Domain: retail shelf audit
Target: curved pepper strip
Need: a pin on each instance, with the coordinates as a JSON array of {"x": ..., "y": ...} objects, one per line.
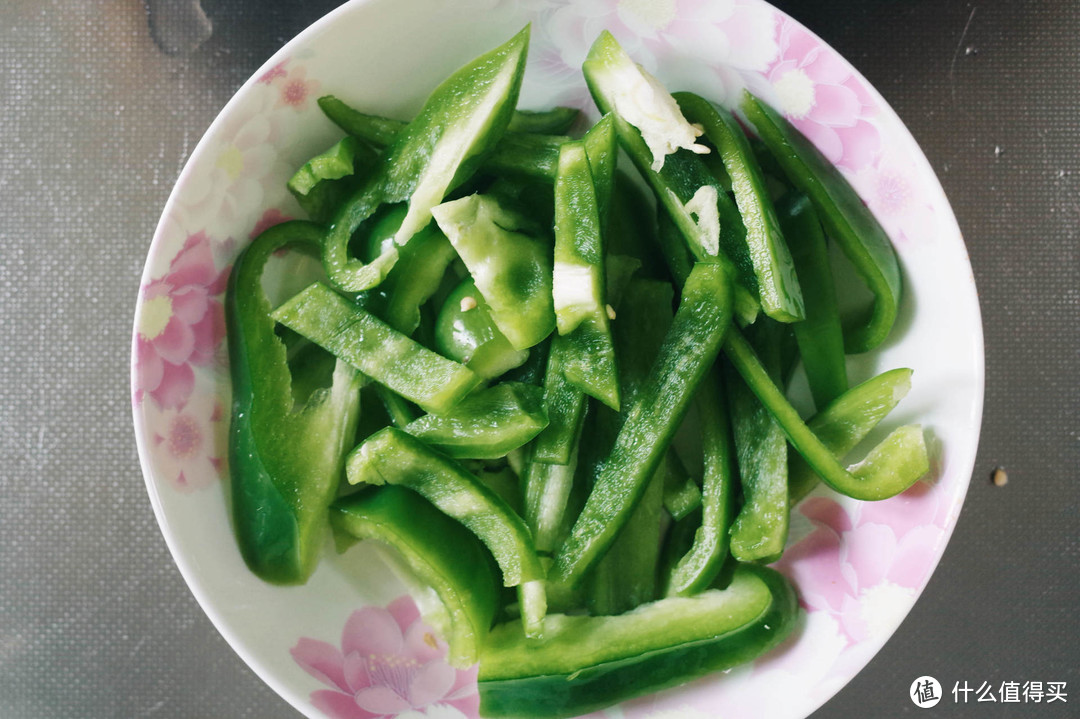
[
  {"x": 689, "y": 349},
  {"x": 706, "y": 217},
  {"x": 284, "y": 462},
  {"x": 440, "y": 553},
  {"x": 459, "y": 124},
  {"x": 391, "y": 456},
  {"x": 846, "y": 421},
  {"x": 890, "y": 468},
  {"x": 778, "y": 286},
  {"x": 820, "y": 336},
  {"x": 329, "y": 178},
  {"x": 848, "y": 221},
  {"x": 586, "y": 663}
]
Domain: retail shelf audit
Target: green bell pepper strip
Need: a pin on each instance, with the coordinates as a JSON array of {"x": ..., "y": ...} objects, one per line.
[
  {"x": 702, "y": 562},
  {"x": 376, "y": 349},
  {"x": 586, "y": 663},
  {"x": 487, "y": 424},
  {"x": 760, "y": 529},
  {"x": 564, "y": 404},
  {"x": 689, "y": 349},
  {"x": 890, "y": 468},
  {"x": 459, "y": 124},
  {"x": 581, "y": 309},
  {"x": 820, "y": 336},
  {"x": 848, "y": 221},
  {"x": 556, "y": 121},
  {"x": 391, "y": 456},
  {"x": 329, "y": 178},
  {"x": 440, "y": 553},
  {"x": 547, "y": 489},
  {"x": 706, "y": 217},
  {"x": 628, "y": 572},
  {"x": 627, "y": 575},
  {"x": 709, "y": 546},
  {"x": 505, "y": 483},
  {"x": 465, "y": 332},
  {"x": 416, "y": 276},
  {"x": 778, "y": 286},
  {"x": 528, "y": 154},
  {"x": 682, "y": 495},
  {"x": 285, "y": 460},
  {"x": 846, "y": 421},
  {"x": 511, "y": 269}
]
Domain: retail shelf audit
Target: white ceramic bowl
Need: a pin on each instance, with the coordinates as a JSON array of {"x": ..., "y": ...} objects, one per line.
[{"x": 858, "y": 567}]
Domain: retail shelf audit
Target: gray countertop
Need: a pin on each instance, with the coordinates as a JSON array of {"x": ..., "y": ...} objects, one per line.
[{"x": 95, "y": 124}]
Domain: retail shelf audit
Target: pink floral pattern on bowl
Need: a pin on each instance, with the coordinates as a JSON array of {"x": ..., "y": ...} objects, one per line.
[
  {"x": 390, "y": 664},
  {"x": 181, "y": 325},
  {"x": 858, "y": 568}
]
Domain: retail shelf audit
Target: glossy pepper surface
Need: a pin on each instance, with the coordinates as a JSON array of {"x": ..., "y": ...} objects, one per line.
[
  {"x": 584, "y": 663},
  {"x": 285, "y": 457},
  {"x": 848, "y": 221}
]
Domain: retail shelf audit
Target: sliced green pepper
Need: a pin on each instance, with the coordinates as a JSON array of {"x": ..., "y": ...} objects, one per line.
[
  {"x": 456, "y": 128},
  {"x": 585, "y": 663},
  {"x": 846, "y": 421},
  {"x": 465, "y": 332},
  {"x": 580, "y": 302},
  {"x": 701, "y": 563},
  {"x": 530, "y": 154},
  {"x": 547, "y": 489},
  {"x": 848, "y": 221},
  {"x": 820, "y": 336},
  {"x": 415, "y": 277},
  {"x": 285, "y": 460},
  {"x": 327, "y": 179},
  {"x": 760, "y": 530},
  {"x": 376, "y": 349},
  {"x": 688, "y": 351},
  {"x": 511, "y": 269},
  {"x": 682, "y": 495},
  {"x": 487, "y": 424},
  {"x": 556, "y": 121},
  {"x": 439, "y": 551},
  {"x": 662, "y": 144},
  {"x": 565, "y": 407},
  {"x": 778, "y": 286},
  {"x": 890, "y": 468},
  {"x": 391, "y": 456}
]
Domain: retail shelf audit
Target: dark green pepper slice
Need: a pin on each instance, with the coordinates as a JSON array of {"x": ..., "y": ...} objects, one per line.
[
  {"x": 440, "y": 552},
  {"x": 689, "y": 349},
  {"x": 391, "y": 456},
  {"x": 285, "y": 460},
  {"x": 820, "y": 336},
  {"x": 586, "y": 663},
  {"x": 848, "y": 221},
  {"x": 778, "y": 286}
]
